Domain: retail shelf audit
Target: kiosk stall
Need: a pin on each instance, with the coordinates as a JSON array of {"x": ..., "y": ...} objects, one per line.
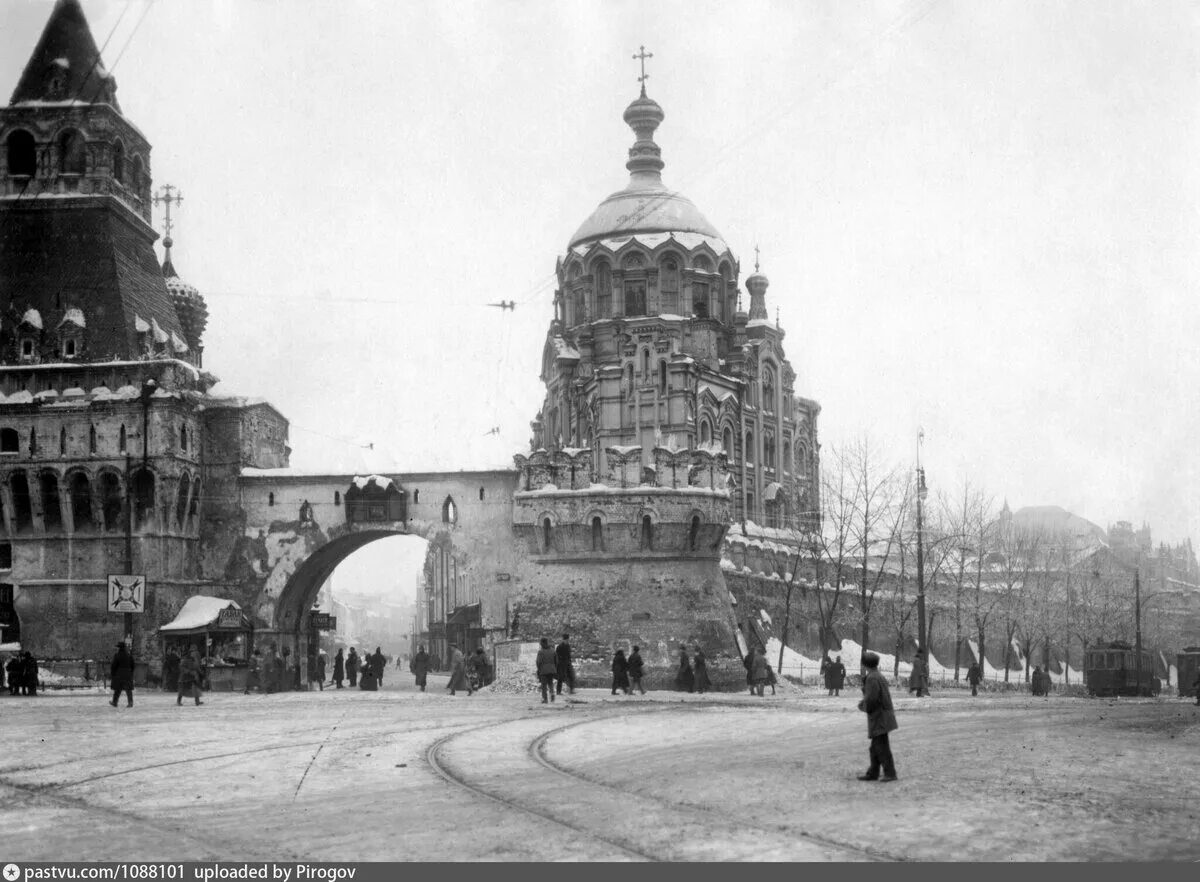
[{"x": 222, "y": 634}]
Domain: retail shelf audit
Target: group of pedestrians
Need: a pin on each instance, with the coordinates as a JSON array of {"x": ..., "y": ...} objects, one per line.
[
  {"x": 22, "y": 674},
  {"x": 834, "y": 674},
  {"x": 627, "y": 672}
]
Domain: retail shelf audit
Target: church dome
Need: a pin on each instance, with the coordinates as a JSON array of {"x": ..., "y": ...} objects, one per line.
[
  {"x": 646, "y": 205},
  {"x": 189, "y": 305}
]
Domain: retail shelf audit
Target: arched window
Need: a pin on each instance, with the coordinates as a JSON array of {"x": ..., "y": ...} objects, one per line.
[
  {"x": 121, "y": 439},
  {"x": 33, "y": 442},
  {"x": 119, "y": 162},
  {"x": 110, "y": 501},
  {"x": 81, "y": 501},
  {"x": 769, "y": 451},
  {"x": 194, "y": 505},
  {"x": 801, "y": 459},
  {"x": 270, "y": 499},
  {"x": 51, "y": 505},
  {"x": 547, "y": 535},
  {"x": 647, "y": 539},
  {"x": 181, "y": 498},
  {"x": 92, "y": 439},
  {"x": 768, "y": 388},
  {"x": 727, "y": 442},
  {"x": 22, "y": 154},
  {"x": 22, "y": 503},
  {"x": 785, "y": 461},
  {"x": 597, "y": 534},
  {"x": 10, "y": 441},
  {"x": 635, "y": 297},
  {"x": 143, "y": 497},
  {"x": 645, "y": 365},
  {"x": 72, "y": 152},
  {"x": 700, "y": 299},
  {"x": 669, "y": 285},
  {"x": 662, "y": 377},
  {"x": 449, "y": 511},
  {"x": 702, "y": 263},
  {"x": 750, "y": 513},
  {"x": 725, "y": 294},
  {"x": 337, "y": 497},
  {"x": 603, "y": 289},
  {"x": 629, "y": 377},
  {"x": 137, "y": 179},
  {"x": 481, "y": 494},
  {"x": 749, "y": 454},
  {"x": 694, "y": 533},
  {"x": 62, "y": 441},
  {"x": 705, "y": 432},
  {"x": 183, "y": 439},
  {"x": 580, "y": 307}
]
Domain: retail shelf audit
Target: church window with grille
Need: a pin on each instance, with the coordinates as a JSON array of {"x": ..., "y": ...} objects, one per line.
[
  {"x": 670, "y": 285},
  {"x": 603, "y": 290},
  {"x": 122, "y": 442},
  {"x": 635, "y": 298},
  {"x": 597, "y": 534},
  {"x": 647, "y": 538},
  {"x": 700, "y": 299},
  {"x": 72, "y": 152},
  {"x": 449, "y": 511},
  {"x": 547, "y": 535}
]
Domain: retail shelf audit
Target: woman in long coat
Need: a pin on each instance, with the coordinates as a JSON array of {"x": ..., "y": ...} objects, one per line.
[
  {"x": 760, "y": 671},
  {"x": 620, "y": 672},
  {"x": 458, "y": 672},
  {"x": 685, "y": 681},
  {"x": 339, "y": 668},
  {"x": 352, "y": 667},
  {"x": 29, "y": 672},
  {"x": 702, "y": 682}
]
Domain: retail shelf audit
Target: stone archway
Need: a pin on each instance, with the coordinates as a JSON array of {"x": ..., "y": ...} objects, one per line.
[{"x": 290, "y": 625}]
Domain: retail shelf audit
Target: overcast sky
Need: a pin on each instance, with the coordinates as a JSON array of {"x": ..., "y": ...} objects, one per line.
[{"x": 979, "y": 218}]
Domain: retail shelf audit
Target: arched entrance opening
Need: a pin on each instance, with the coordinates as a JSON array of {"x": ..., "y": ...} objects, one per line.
[{"x": 358, "y": 590}]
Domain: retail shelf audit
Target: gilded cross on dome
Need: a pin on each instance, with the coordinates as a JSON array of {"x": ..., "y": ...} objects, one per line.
[
  {"x": 167, "y": 200},
  {"x": 642, "y": 56}
]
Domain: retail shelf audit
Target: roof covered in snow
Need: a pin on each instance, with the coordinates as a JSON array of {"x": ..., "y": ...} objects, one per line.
[{"x": 199, "y": 611}]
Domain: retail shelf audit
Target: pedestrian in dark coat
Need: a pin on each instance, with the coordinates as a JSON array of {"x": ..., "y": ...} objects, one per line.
[
  {"x": 254, "y": 672},
  {"x": 547, "y": 669},
  {"x": 189, "y": 677},
  {"x": 703, "y": 683},
  {"x": 121, "y": 676},
  {"x": 1035, "y": 681},
  {"x": 378, "y": 663},
  {"x": 685, "y": 680},
  {"x": 171, "y": 670},
  {"x": 14, "y": 669},
  {"x": 565, "y": 670},
  {"x": 29, "y": 674},
  {"x": 760, "y": 671},
  {"x": 352, "y": 667},
  {"x": 974, "y": 675},
  {"x": 635, "y": 665},
  {"x": 458, "y": 672},
  {"x": 748, "y": 663},
  {"x": 367, "y": 681},
  {"x": 839, "y": 676},
  {"x": 881, "y": 719},
  {"x": 339, "y": 668},
  {"x": 321, "y": 670},
  {"x": 830, "y": 676},
  {"x": 918, "y": 681},
  {"x": 420, "y": 666},
  {"x": 620, "y": 672}
]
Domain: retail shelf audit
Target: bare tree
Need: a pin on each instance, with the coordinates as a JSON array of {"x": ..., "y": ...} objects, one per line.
[
  {"x": 979, "y": 536},
  {"x": 835, "y": 549},
  {"x": 964, "y": 519},
  {"x": 1014, "y": 560}
]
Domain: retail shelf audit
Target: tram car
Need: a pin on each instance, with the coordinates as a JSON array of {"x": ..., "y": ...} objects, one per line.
[
  {"x": 1188, "y": 665},
  {"x": 1112, "y": 670}
]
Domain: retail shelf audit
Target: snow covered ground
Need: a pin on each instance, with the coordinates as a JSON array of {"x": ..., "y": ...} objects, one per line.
[{"x": 403, "y": 775}]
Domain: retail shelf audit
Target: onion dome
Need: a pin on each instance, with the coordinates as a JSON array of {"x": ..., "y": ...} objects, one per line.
[
  {"x": 189, "y": 305},
  {"x": 645, "y": 205},
  {"x": 756, "y": 284}
]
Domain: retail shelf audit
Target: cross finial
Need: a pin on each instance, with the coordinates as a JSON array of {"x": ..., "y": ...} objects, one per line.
[
  {"x": 642, "y": 56},
  {"x": 165, "y": 199},
  {"x": 756, "y": 258}
]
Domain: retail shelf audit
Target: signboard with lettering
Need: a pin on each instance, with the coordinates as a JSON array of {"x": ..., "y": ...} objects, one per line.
[
  {"x": 229, "y": 618},
  {"x": 322, "y": 622},
  {"x": 126, "y": 594}
]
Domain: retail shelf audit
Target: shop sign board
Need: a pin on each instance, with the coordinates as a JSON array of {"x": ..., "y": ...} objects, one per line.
[
  {"x": 126, "y": 594},
  {"x": 229, "y": 618},
  {"x": 323, "y": 622}
]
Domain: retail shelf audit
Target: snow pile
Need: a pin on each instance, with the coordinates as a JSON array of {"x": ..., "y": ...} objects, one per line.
[
  {"x": 794, "y": 664},
  {"x": 515, "y": 682}
]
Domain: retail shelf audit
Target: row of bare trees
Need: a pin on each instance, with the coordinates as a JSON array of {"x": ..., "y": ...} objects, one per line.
[{"x": 986, "y": 578}]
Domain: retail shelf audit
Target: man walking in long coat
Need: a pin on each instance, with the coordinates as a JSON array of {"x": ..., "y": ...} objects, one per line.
[
  {"x": 839, "y": 676},
  {"x": 881, "y": 719},
  {"x": 918, "y": 681},
  {"x": 189, "y": 677},
  {"x": 121, "y": 676},
  {"x": 420, "y": 666},
  {"x": 352, "y": 667},
  {"x": 378, "y": 663},
  {"x": 339, "y": 668},
  {"x": 565, "y": 671},
  {"x": 973, "y": 677}
]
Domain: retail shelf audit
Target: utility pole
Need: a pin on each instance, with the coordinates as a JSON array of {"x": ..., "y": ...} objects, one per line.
[
  {"x": 1137, "y": 619},
  {"x": 921, "y": 635}
]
